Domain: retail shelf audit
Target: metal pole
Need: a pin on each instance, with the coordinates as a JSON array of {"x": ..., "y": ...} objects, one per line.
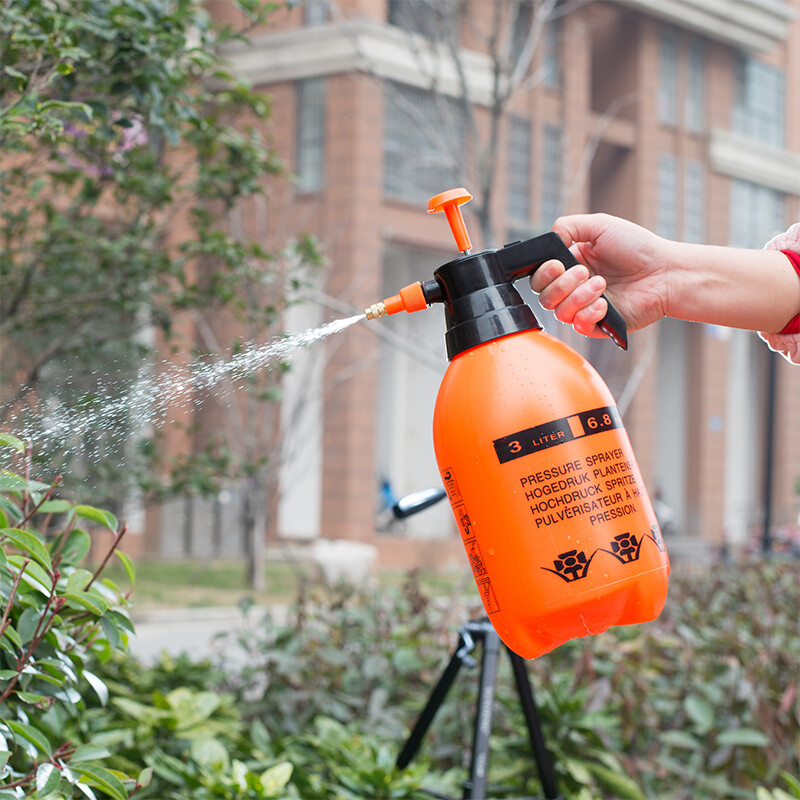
[{"x": 769, "y": 454}]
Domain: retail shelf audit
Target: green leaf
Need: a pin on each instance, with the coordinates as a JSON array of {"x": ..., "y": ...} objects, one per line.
[
  {"x": 127, "y": 563},
  {"x": 76, "y": 547},
  {"x": 700, "y": 711},
  {"x": 11, "y": 482},
  {"x": 121, "y": 620},
  {"x": 678, "y": 738},
  {"x": 86, "y": 601},
  {"x": 100, "y": 689},
  {"x": 88, "y": 752},
  {"x": 792, "y": 781},
  {"x": 34, "y": 576},
  {"x": 209, "y": 751},
  {"x": 274, "y": 779},
  {"x": 6, "y": 439},
  {"x": 48, "y": 777},
  {"x": 31, "y": 697},
  {"x": 146, "y": 714},
  {"x": 10, "y": 511},
  {"x": 27, "y": 623},
  {"x": 621, "y": 785},
  {"x": 104, "y": 518},
  {"x": 55, "y": 507},
  {"x": 28, "y": 543},
  {"x": 78, "y": 581},
  {"x": 742, "y": 737},
  {"x": 145, "y": 777},
  {"x": 191, "y": 707},
  {"x": 33, "y": 735},
  {"x": 102, "y": 779},
  {"x": 11, "y": 634}
]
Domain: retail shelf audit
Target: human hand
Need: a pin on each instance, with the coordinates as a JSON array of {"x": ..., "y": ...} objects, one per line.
[{"x": 616, "y": 256}]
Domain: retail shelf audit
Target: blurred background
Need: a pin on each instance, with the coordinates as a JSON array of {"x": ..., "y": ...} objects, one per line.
[
  {"x": 181, "y": 184},
  {"x": 682, "y": 116}
]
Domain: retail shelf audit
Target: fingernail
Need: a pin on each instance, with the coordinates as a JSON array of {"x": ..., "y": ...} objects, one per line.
[
  {"x": 597, "y": 307},
  {"x": 597, "y": 283}
]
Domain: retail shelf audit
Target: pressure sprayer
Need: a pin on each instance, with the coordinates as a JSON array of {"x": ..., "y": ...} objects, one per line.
[{"x": 540, "y": 473}]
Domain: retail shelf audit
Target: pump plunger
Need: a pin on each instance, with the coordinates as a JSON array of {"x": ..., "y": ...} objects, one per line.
[{"x": 449, "y": 202}]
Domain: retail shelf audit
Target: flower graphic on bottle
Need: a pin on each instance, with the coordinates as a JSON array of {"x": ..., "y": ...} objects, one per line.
[
  {"x": 571, "y": 565},
  {"x": 625, "y": 547},
  {"x": 655, "y": 535}
]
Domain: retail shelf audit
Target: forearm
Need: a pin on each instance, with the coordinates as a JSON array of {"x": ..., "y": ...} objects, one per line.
[{"x": 754, "y": 289}]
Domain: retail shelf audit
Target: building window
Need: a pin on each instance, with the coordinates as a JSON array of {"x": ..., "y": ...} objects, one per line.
[
  {"x": 695, "y": 91},
  {"x": 668, "y": 77},
  {"x": 759, "y": 103},
  {"x": 551, "y": 57},
  {"x": 418, "y": 16},
  {"x": 694, "y": 203},
  {"x": 552, "y": 156},
  {"x": 667, "y": 214},
  {"x": 519, "y": 169},
  {"x": 315, "y": 12},
  {"x": 422, "y": 142},
  {"x": 757, "y": 214},
  {"x": 310, "y": 136},
  {"x": 523, "y": 21}
]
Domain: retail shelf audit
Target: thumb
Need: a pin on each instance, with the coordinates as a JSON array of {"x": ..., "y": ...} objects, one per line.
[{"x": 580, "y": 228}]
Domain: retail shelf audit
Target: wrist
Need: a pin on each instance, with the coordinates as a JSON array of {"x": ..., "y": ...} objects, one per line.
[
  {"x": 738, "y": 288},
  {"x": 684, "y": 282}
]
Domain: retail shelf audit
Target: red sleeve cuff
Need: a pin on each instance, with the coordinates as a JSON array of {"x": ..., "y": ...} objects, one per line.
[{"x": 794, "y": 323}]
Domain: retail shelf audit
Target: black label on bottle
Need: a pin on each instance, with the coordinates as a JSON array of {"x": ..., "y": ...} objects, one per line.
[{"x": 550, "y": 434}]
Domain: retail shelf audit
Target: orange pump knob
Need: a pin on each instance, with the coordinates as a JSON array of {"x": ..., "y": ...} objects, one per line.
[{"x": 449, "y": 202}]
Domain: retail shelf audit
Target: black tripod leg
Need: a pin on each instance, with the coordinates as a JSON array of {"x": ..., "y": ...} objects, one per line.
[
  {"x": 475, "y": 787},
  {"x": 432, "y": 706},
  {"x": 543, "y": 762}
]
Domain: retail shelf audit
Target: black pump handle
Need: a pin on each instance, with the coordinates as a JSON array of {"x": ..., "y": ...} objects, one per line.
[{"x": 522, "y": 259}]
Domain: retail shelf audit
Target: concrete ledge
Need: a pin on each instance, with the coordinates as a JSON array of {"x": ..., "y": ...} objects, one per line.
[
  {"x": 757, "y": 25},
  {"x": 737, "y": 157},
  {"x": 384, "y": 51}
]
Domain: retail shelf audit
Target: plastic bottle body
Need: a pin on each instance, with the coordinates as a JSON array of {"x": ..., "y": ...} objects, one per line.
[{"x": 558, "y": 528}]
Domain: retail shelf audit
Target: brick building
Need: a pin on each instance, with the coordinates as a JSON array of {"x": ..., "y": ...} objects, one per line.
[{"x": 682, "y": 115}]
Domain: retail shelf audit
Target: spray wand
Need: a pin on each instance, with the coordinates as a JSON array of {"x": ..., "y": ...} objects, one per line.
[{"x": 473, "y": 286}]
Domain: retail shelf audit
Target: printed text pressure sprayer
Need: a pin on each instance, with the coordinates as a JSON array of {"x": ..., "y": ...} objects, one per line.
[{"x": 541, "y": 476}]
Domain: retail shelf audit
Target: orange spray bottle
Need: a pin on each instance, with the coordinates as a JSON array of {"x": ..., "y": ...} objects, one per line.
[{"x": 540, "y": 473}]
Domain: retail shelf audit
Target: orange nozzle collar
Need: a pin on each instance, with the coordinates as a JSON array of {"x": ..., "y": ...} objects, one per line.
[{"x": 410, "y": 299}]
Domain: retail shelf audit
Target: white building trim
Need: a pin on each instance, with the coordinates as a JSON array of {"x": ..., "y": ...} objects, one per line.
[
  {"x": 384, "y": 51},
  {"x": 737, "y": 157},
  {"x": 750, "y": 24}
]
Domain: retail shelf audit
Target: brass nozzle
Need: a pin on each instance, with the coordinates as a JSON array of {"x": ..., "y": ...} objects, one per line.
[{"x": 376, "y": 310}]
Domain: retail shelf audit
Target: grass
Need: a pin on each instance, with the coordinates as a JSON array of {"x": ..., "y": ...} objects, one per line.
[
  {"x": 199, "y": 584},
  {"x": 195, "y": 584}
]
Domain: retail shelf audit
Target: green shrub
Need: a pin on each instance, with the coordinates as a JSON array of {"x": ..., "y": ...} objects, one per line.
[
  {"x": 369, "y": 659},
  {"x": 700, "y": 703},
  {"x": 59, "y": 622},
  {"x": 706, "y": 695}
]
